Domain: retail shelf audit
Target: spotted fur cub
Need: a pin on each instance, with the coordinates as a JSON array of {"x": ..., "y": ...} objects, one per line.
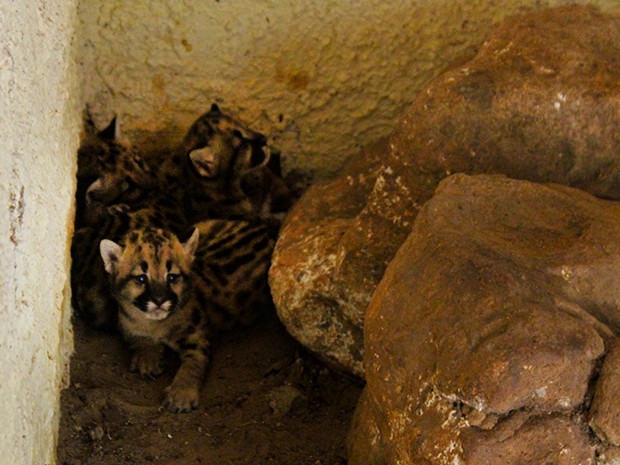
[
  {"x": 230, "y": 171},
  {"x": 177, "y": 294}
]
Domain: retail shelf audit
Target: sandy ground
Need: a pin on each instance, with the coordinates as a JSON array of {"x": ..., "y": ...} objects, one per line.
[{"x": 265, "y": 401}]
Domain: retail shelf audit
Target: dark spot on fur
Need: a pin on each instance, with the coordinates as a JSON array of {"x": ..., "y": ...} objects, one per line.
[
  {"x": 140, "y": 223},
  {"x": 261, "y": 245},
  {"x": 242, "y": 297},
  {"x": 243, "y": 241},
  {"x": 219, "y": 308},
  {"x": 202, "y": 300},
  {"x": 195, "y": 316},
  {"x": 142, "y": 300},
  {"x": 186, "y": 346},
  {"x": 216, "y": 245},
  {"x": 217, "y": 272},
  {"x": 232, "y": 266}
]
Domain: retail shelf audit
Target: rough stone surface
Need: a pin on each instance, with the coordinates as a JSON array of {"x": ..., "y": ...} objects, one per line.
[
  {"x": 487, "y": 330},
  {"x": 40, "y": 118},
  {"x": 540, "y": 101},
  {"x": 285, "y": 399},
  {"x": 605, "y": 408},
  {"x": 307, "y": 254}
]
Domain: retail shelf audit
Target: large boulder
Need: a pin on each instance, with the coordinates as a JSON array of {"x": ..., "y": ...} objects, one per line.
[
  {"x": 485, "y": 337},
  {"x": 307, "y": 297},
  {"x": 540, "y": 101}
]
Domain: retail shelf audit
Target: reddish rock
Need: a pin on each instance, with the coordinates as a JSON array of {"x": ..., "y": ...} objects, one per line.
[
  {"x": 484, "y": 335},
  {"x": 523, "y": 439},
  {"x": 307, "y": 259},
  {"x": 540, "y": 101},
  {"x": 605, "y": 410}
]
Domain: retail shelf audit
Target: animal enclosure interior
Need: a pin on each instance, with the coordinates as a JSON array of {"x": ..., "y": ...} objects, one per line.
[{"x": 386, "y": 125}]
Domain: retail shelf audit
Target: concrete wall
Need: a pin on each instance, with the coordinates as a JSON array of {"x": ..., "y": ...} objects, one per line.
[
  {"x": 40, "y": 120},
  {"x": 321, "y": 76}
]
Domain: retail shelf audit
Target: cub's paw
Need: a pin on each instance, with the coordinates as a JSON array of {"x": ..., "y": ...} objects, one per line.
[
  {"x": 147, "y": 362},
  {"x": 181, "y": 398}
]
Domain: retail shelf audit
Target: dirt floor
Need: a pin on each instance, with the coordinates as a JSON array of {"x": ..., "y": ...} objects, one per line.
[{"x": 265, "y": 401}]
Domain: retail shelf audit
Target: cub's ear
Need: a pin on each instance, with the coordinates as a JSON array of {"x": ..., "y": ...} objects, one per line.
[
  {"x": 215, "y": 108},
  {"x": 192, "y": 243},
  {"x": 111, "y": 253},
  {"x": 111, "y": 131}
]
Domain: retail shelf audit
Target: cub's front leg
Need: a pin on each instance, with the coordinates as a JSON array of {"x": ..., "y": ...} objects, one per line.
[
  {"x": 184, "y": 392},
  {"x": 147, "y": 357}
]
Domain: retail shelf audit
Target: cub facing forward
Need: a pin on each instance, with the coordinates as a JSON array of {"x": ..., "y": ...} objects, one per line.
[{"x": 179, "y": 294}]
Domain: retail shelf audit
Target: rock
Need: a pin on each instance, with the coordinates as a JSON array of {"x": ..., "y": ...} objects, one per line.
[
  {"x": 485, "y": 333},
  {"x": 306, "y": 259},
  {"x": 605, "y": 410},
  {"x": 540, "y": 101},
  {"x": 286, "y": 399},
  {"x": 365, "y": 443},
  {"x": 609, "y": 455},
  {"x": 535, "y": 440},
  {"x": 97, "y": 433}
]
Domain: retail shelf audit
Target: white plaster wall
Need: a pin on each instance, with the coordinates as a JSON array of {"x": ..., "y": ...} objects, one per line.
[
  {"x": 40, "y": 120},
  {"x": 322, "y": 77}
]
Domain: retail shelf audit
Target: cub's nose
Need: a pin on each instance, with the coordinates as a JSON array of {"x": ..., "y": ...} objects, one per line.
[{"x": 159, "y": 301}]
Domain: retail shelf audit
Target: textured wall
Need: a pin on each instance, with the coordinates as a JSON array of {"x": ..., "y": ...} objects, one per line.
[
  {"x": 323, "y": 77},
  {"x": 40, "y": 120}
]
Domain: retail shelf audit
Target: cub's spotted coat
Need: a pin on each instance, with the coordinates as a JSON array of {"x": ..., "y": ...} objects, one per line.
[
  {"x": 111, "y": 175},
  {"x": 179, "y": 294},
  {"x": 228, "y": 171},
  {"x": 97, "y": 150},
  {"x": 232, "y": 173},
  {"x": 221, "y": 170}
]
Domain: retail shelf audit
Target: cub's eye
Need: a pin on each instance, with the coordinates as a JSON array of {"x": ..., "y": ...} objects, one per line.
[
  {"x": 140, "y": 279},
  {"x": 172, "y": 278}
]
